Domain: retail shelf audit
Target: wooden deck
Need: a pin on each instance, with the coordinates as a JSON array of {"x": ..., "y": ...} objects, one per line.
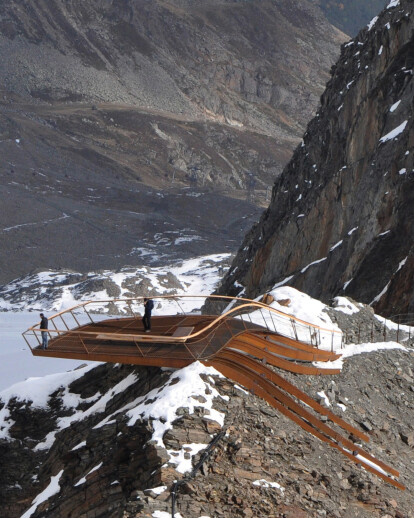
[{"x": 123, "y": 340}]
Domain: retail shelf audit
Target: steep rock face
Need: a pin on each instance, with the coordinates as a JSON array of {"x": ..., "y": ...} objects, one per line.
[{"x": 341, "y": 219}]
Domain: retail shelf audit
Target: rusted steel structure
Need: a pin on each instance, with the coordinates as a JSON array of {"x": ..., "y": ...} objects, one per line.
[{"x": 245, "y": 340}]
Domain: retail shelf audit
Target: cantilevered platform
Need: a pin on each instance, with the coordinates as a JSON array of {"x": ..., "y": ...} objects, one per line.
[{"x": 245, "y": 340}]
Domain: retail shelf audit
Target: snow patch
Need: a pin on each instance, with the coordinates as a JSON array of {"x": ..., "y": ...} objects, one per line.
[
  {"x": 78, "y": 415},
  {"x": 311, "y": 264},
  {"x": 52, "y": 489},
  {"x": 393, "y": 3},
  {"x": 339, "y": 243},
  {"x": 394, "y": 133},
  {"x": 372, "y": 23},
  {"x": 324, "y": 397},
  {"x": 355, "y": 349},
  {"x": 345, "y": 305},
  {"x": 395, "y": 106},
  {"x": 264, "y": 483},
  {"x": 83, "y": 479}
]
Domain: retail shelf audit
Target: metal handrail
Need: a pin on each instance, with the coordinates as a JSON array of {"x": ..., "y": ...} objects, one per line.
[{"x": 246, "y": 306}]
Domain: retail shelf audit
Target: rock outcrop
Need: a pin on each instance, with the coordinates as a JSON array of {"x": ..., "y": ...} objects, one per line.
[
  {"x": 100, "y": 445},
  {"x": 340, "y": 220}
]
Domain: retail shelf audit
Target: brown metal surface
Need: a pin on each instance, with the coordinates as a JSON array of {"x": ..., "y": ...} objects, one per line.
[
  {"x": 290, "y": 342},
  {"x": 282, "y": 383},
  {"x": 234, "y": 344},
  {"x": 268, "y": 344},
  {"x": 255, "y": 384},
  {"x": 279, "y": 362}
]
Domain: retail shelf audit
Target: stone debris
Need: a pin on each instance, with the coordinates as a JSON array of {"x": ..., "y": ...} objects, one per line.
[{"x": 300, "y": 475}]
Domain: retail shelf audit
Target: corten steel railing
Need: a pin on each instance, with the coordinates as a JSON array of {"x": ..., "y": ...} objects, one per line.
[{"x": 245, "y": 314}]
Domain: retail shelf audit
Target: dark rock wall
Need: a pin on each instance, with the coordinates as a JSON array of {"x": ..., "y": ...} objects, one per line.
[
  {"x": 26, "y": 471},
  {"x": 344, "y": 202}
]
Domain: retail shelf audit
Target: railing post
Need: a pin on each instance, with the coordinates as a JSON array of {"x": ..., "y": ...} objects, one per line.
[
  {"x": 244, "y": 323},
  {"x": 273, "y": 322},
  {"x": 131, "y": 310},
  {"x": 74, "y": 318},
  {"x": 37, "y": 338},
  {"x": 27, "y": 341},
  {"x": 398, "y": 330},
  {"x": 83, "y": 343},
  {"x": 181, "y": 309},
  {"x": 264, "y": 320},
  {"x": 53, "y": 322},
  {"x": 294, "y": 328},
  {"x": 87, "y": 312},
  {"x": 64, "y": 323}
]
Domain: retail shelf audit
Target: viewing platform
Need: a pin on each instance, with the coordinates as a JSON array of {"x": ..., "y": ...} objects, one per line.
[
  {"x": 176, "y": 340},
  {"x": 242, "y": 339}
]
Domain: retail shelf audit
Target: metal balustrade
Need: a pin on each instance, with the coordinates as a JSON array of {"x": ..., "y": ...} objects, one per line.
[{"x": 77, "y": 321}]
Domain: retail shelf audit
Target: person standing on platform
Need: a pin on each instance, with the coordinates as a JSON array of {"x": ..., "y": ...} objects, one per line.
[
  {"x": 146, "y": 319},
  {"x": 44, "y": 324}
]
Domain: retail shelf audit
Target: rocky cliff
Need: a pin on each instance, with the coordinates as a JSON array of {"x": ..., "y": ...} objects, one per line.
[
  {"x": 341, "y": 219},
  {"x": 111, "y": 441}
]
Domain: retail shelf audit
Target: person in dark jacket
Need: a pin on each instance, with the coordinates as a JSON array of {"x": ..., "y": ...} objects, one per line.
[
  {"x": 146, "y": 319},
  {"x": 44, "y": 324}
]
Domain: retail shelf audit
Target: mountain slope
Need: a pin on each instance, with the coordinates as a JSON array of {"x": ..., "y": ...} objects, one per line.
[
  {"x": 341, "y": 219},
  {"x": 109, "y": 110},
  {"x": 111, "y": 441}
]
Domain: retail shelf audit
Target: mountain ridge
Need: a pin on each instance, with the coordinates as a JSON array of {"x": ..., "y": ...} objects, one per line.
[
  {"x": 99, "y": 437},
  {"x": 339, "y": 221}
]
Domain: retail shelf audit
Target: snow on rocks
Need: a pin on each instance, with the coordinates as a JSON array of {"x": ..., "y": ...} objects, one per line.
[
  {"x": 354, "y": 349},
  {"x": 52, "y": 489},
  {"x": 185, "y": 390},
  {"x": 393, "y": 3},
  {"x": 57, "y": 290},
  {"x": 394, "y": 133},
  {"x": 264, "y": 483}
]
